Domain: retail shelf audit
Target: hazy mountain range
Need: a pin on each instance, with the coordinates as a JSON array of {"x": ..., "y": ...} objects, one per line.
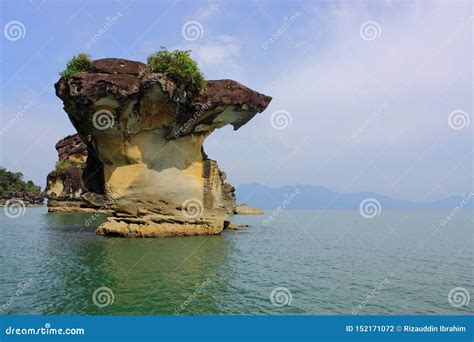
[{"x": 318, "y": 197}]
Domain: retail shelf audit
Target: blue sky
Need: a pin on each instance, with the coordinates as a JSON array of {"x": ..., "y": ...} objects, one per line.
[{"x": 369, "y": 87}]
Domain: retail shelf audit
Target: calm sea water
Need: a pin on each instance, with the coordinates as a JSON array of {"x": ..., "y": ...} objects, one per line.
[{"x": 401, "y": 262}]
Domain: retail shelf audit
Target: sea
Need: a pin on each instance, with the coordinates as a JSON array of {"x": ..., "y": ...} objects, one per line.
[{"x": 286, "y": 262}]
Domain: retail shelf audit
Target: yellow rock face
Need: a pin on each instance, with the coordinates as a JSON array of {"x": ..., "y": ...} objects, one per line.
[
  {"x": 148, "y": 172},
  {"x": 147, "y": 134},
  {"x": 55, "y": 187}
]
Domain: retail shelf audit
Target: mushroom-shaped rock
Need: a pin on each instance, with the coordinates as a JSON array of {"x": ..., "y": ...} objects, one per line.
[{"x": 145, "y": 140}]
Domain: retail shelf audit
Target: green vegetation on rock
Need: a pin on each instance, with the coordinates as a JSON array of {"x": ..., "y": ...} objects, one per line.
[
  {"x": 13, "y": 182},
  {"x": 81, "y": 62},
  {"x": 66, "y": 164},
  {"x": 178, "y": 66}
]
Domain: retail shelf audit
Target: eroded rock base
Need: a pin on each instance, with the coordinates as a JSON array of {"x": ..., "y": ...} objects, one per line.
[
  {"x": 158, "y": 226},
  {"x": 75, "y": 206}
]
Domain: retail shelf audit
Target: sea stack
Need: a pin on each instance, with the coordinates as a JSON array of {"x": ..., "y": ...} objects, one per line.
[{"x": 140, "y": 140}]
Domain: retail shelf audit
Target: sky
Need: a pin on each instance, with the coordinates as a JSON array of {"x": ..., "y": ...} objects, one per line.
[{"x": 367, "y": 95}]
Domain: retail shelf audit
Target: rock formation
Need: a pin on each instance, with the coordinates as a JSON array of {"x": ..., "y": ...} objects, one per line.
[
  {"x": 141, "y": 138},
  {"x": 27, "y": 198},
  {"x": 245, "y": 209},
  {"x": 15, "y": 192},
  {"x": 66, "y": 189}
]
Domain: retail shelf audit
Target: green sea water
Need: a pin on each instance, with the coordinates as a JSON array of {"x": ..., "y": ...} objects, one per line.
[{"x": 304, "y": 262}]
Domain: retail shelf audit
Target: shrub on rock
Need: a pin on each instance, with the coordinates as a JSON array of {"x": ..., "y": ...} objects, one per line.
[
  {"x": 178, "y": 66},
  {"x": 81, "y": 62}
]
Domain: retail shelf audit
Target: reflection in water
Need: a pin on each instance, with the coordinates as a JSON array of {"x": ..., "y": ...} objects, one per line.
[
  {"x": 73, "y": 221},
  {"x": 146, "y": 276},
  {"x": 327, "y": 268},
  {"x": 159, "y": 275}
]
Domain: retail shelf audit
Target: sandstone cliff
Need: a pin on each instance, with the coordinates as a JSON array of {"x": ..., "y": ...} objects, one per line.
[{"x": 140, "y": 140}]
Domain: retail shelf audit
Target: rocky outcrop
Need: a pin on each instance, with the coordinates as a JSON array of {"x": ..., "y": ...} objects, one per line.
[
  {"x": 27, "y": 198},
  {"x": 66, "y": 189},
  {"x": 245, "y": 209},
  {"x": 144, "y": 139}
]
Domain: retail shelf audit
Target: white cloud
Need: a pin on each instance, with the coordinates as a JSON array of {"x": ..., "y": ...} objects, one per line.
[
  {"x": 217, "y": 56},
  {"x": 216, "y": 51},
  {"x": 208, "y": 11},
  {"x": 420, "y": 65}
]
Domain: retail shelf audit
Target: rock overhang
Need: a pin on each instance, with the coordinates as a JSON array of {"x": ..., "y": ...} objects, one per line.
[
  {"x": 128, "y": 82},
  {"x": 148, "y": 112}
]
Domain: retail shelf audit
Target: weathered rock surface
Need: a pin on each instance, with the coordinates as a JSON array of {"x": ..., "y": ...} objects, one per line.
[
  {"x": 28, "y": 198},
  {"x": 245, "y": 209},
  {"x": 65, "y": 188},
  {"x": 144, "y": 145}
]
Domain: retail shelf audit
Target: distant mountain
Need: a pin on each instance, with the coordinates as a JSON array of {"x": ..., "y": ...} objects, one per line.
[{"x": 318, "y": 197}]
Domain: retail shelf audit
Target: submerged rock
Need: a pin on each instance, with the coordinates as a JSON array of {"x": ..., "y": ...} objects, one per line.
[
  {"x": 141, "y": 140},
  {"x": 245, "y": 209}
]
